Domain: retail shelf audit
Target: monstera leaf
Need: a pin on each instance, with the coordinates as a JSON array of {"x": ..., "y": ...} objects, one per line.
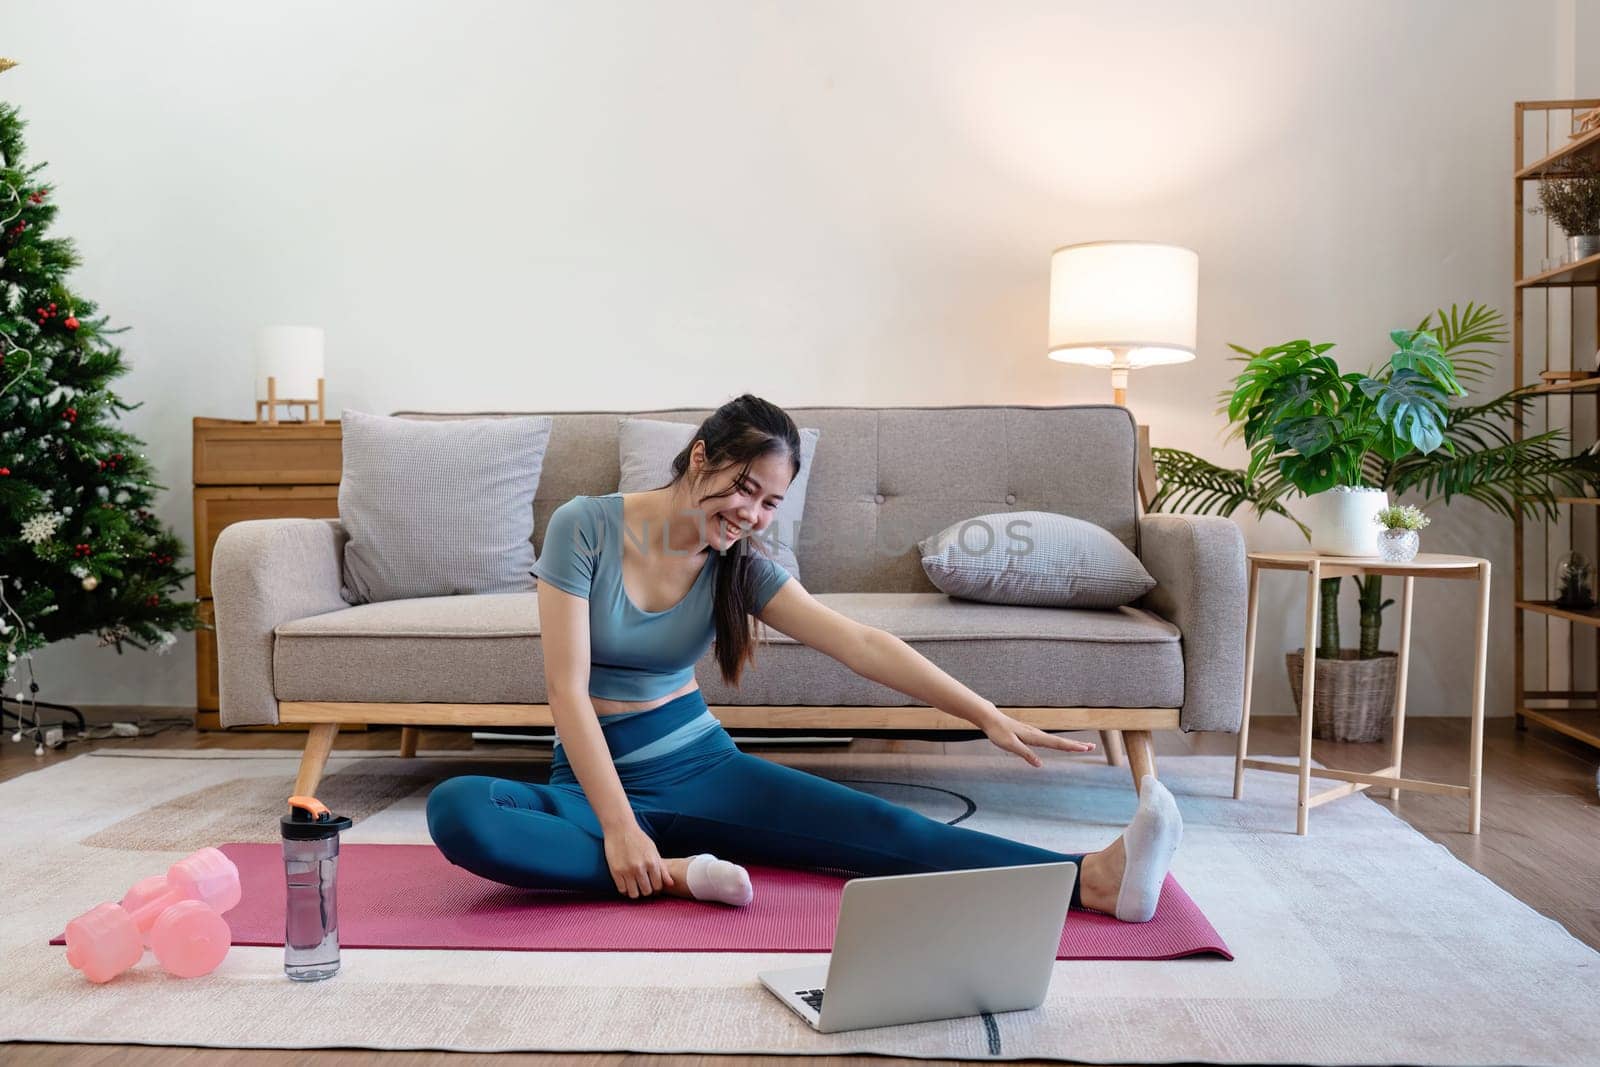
[
  {"x": 1292, "y": 373},
  {"x": 1312, "y": 474},
  {"x": 1410, "y": 405},
  {"x": 1419, "y": 353},
  {"x": 1308, "y": 436}
]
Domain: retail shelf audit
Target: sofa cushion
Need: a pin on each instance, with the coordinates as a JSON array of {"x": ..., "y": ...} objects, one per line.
[
  {"x": 645, "y": 450},
  {"x": 438, "y": 508},
  {"x": 1034, "y": 557},
  {"x": 486, "y": 649}
]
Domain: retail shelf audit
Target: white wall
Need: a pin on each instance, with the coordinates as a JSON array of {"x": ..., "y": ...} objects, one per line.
[{"x": 498, "y": 205}]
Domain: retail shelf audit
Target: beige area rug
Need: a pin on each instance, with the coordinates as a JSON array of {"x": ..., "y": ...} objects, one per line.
[{"x": 1362, "y": 943}]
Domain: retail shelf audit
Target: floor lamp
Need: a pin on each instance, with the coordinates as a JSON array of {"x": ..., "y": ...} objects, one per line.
[{"x": 1123, "y": 305}]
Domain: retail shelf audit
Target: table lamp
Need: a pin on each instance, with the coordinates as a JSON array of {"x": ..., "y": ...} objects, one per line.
[
  {"x": 289, "y": 370},
  {"x": 1123, "y": 304}
]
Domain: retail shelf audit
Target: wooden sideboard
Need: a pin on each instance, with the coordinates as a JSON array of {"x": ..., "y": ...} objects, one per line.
[{"x": 250, "y": 470}]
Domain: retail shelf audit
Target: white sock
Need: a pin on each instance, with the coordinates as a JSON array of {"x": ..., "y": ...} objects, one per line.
[
  {"x": 1149, "y": 842},
  {"x": 713, "y": 879}
]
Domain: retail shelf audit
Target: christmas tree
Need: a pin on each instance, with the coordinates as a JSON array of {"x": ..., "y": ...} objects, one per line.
[{"x": 80, "y": 551}]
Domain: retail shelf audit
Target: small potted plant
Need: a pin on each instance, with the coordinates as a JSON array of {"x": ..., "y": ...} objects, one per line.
[
  {"x": 1398, "y": 540},
  {"x": 1575, "y": 582},
  {"x": 1573, "y": 203}
]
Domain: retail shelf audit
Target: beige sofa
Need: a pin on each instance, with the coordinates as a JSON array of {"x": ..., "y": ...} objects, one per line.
[{"x": 291, "y": 649}]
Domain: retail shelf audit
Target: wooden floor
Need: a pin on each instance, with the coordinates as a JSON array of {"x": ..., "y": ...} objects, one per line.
[{"x": 1541, "y": 824}]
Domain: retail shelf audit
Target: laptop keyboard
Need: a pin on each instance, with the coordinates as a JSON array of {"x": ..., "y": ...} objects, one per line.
[{"x": 812, "y": 997}]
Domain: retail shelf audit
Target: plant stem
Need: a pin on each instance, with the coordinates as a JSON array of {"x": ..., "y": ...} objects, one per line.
[
  {"x": 1328, "y": 616},
  {"x": 1371, "y": 614}
]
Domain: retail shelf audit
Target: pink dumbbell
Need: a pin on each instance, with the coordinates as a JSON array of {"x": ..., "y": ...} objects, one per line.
[{"x": 178, "y": 915}]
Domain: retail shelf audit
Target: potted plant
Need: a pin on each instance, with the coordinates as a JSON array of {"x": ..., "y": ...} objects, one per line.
[
  {"x": 1485, "y": 462},
  {"x": 1572, "y": 202},
  {"x": 1316, "y": 426},
  {"x": 1398, "y": 540},
  {"x": 1575, "y": 582}
]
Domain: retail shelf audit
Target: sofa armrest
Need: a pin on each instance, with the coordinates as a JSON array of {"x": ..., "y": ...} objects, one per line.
[
  {"x": 1198, "y": 563},
  {"x": 265, "y": 572}
]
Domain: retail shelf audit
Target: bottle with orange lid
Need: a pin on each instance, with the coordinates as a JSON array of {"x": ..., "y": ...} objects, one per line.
[{"x": 311, "y": 912}]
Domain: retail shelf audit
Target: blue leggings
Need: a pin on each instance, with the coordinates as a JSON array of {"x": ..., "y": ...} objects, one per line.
[{"x": 705, "y": 797}]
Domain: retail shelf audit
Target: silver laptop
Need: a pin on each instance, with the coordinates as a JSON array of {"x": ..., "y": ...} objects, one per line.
[{"x": 913, "y": 947}]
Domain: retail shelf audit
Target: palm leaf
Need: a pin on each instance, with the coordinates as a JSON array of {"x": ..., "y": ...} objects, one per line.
[
  {"x": 1508, "y": 478},
  {"x": 1196, "y": 486},
  {"x": 1464, "y": 335}
]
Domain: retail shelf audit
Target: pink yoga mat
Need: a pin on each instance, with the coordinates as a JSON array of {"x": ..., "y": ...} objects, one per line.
[{"x": 410, "y": 896}]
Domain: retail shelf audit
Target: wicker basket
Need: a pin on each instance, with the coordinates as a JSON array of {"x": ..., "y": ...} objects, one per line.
[{"x": 1355, "y": 697}]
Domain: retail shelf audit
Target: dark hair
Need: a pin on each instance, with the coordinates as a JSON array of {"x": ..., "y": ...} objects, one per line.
[{"x": 738, "y": 433}]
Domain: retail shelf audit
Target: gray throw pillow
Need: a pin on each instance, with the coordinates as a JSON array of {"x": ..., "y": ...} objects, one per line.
[
  {"x": 438, "y": 507},
  {"x": 645, "y": 448},
  {"x": 1034, "y": 557}
]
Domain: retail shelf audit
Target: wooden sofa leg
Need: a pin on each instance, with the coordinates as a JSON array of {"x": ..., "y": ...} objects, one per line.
[
  {"x": 1141, "y": 754},
  {"x": 1111, "y": 744},
  {"x": 319, "y": 742},
  {"x": 408, "y": 742}
]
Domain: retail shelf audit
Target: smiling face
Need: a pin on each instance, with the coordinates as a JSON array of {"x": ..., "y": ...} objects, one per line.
[{"x": 737, "y": 503}]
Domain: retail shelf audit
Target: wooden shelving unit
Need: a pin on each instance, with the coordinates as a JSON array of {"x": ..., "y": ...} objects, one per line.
[
  {"x": 1585, "y": 385},
  {"x": 1557, "y": 161},
  {"x": 1583, "y": 272},
  {"x": 1571, "y": 644}
]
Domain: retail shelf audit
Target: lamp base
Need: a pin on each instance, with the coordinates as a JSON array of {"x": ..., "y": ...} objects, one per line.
[{"x": 270, "y": 404}]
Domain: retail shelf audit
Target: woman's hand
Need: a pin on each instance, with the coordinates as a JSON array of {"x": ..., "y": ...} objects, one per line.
[
  {"x": 636, "y": 866},
  {"x": 1015, "y": 737}
]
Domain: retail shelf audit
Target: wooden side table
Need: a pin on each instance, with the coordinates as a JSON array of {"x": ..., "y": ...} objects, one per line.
[{"x": 1317, "y": 567}]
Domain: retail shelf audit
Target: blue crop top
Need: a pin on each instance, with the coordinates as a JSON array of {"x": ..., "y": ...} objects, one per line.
[{"x": 635, "y": 655}]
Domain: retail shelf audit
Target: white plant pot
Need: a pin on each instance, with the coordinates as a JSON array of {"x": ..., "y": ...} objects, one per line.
[{"x": 1343, "y": 520}]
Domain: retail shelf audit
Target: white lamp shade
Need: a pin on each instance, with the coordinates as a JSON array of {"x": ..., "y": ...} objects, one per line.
[
  {"x": 292, "y": 355},
  {"x": 1136, "y": 297}
]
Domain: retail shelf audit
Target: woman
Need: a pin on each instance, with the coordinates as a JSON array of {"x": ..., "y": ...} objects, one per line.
[{"x": 646, "y": 788}]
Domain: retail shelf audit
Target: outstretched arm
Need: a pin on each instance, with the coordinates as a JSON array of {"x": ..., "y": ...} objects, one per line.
[{"x": 884, "y": 658}]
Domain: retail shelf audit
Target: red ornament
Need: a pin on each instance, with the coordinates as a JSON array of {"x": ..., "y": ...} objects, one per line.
[
  {"x": 5, "y": 471},
  {"x": 71, "y": 323}
]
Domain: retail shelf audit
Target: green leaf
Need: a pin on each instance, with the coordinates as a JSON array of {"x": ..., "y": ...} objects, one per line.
[
  {"x": 1187, "y": 483},
  {"x": 1307, "y": 436},
  {"x": 1311, "y": 474},
  {"x": 1413, "y": 407}
]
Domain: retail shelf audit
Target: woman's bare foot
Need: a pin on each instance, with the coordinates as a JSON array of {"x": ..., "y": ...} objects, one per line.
[
  {"x": 679, "y": 869},
  {"x": 1100, "y": 876}
]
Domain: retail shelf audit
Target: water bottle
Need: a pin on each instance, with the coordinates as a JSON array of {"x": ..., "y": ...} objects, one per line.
[{"x": 311, "y": 865}]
